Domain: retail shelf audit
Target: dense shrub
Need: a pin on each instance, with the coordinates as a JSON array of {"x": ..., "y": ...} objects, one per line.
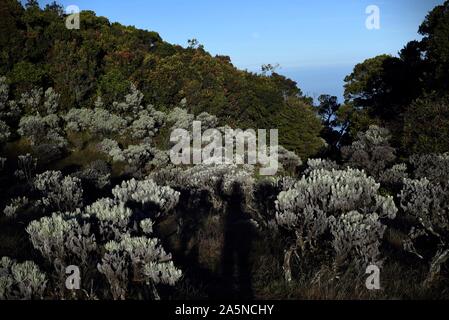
[
  {"x": 59, "y": 192},
  {"x": 327, "y": 199},
  {"x": 113, "y": 244},
  {"x": 427, "y": 204},
  {"x": 371, "y": 151},
  {"x": 21, "y": 281}
]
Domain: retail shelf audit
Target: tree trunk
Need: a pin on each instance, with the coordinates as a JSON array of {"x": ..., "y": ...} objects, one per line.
[
  {"x": 287, "y": 264},
  {"x": 435, "y": 267}
]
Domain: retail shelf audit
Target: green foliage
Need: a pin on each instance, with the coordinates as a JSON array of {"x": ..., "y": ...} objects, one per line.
[
  {"x": 103, "y": 58},
  {"x": 382, "y": 90},
  {"x": 426, "y": 125}
]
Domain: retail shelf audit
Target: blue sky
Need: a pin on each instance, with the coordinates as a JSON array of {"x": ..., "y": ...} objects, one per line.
[{"x": 316, "y": 42}]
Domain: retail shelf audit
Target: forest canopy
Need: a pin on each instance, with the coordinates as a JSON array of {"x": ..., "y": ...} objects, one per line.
[{"x": 102, "y": 59}]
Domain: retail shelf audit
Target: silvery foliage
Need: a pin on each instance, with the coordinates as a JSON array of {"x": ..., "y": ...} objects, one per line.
[
  {"x": 217, "y": 180},
  {"x": 51, "y": 101},
  {"x": 134, "y": 155},
  {"x": 371, "y": 151},
  {"x": 63, "y": 240},
  {"x": 357, "y": 238},
  {"x": 394, "y": 176},
  {"x": 26, "y": 165},
  {"x": 98, "y": 121},
  {"x": 132, "y": 104},
  {"x": 112, "y": 216},
  {"x": 97, "y": 173},
  {"x": 428, "y": 204},
  {"x": 84, "y": 235},
  {"x": 161, "y": 158},
  {"x": 59, "y": 192},
  {"x": 140, "y": 259},
  {"x": 138, "y": 155},
  {"x": 434, "y": 167},
  {"x": 15, "y": 206},
  {"x": 146, "y": 125},
  {"x": 317, "y": 164},
  {"x": 112, "y": 148},
  {"x": 180, "y": 119},
  {"x": 32, "y": 99},
  {"x": 288, "y": 160},
  {"x": 5, "y": 132},
  {"x": 208, "y": 121},
  {"x": 147, "y": 226},
  {"x": 145, "y": 192},
  {"x": 21, "y": 281},
  {"x": 266, "y": 191},
  {"x": 308, "y": 208},
  {"x": 42, "y": 130}
]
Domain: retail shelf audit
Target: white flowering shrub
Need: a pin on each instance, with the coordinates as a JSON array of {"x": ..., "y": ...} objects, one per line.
[
  {"x": 306, "y": 209},
  {"x": 63, "y": 240},
  {"x": 21, "y": 281},
  {"x": 265, "y": 195},
  {"x": 288, "y": 160},
  {"x": 98, "y": 237},
  {"x": 138, "y": 155},
  {"x": 146, "y": 191},
  {"x": 216, "y": 180},
  {"x": 59, "y": 192},
  {"x": 208, "y": 121},
  {"x": 98, "y": 121},
  {"x": 180, "y": 119},
  {"x": 26, "y": 165},
  {"x": 138, "y": 259},
  {"x": 427, "y": 204},
  {"x": 394, "y": 176},
  {"x": 317, "y": 164},
  {"x": 147, "y": 226},
  {"x": 144, "y": 126},
  {"x": 44, "y": 135},
  {"x": 112, "y": 149},
  {"x": 51, "y": 102},
  {"x": 161, "y": 159},
  {"x": 434, "y": 167},
  {"x": 16, "y": 206},
  {"x": 32, "y": 99},
  {"x": 113, "y": 217},
  {"x": 357, "y": 238},
  {"x": 371, "y": 151},
  {"x": 132, "y": 104},
  {"x": 97, "y": 174}
]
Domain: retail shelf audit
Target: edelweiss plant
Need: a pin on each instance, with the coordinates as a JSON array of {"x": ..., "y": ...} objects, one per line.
[
  {"x": 111, "y": 236},
  {"x": 21, "y": 281},
  {"x": 26, "y": 166},
  {"x": 434, "y": 167},
  {"x": 137, "y": 259},
  {"x": 16, "y": 206},
  {"x": 317, "y": 164},
  {"x": 59, "y": 192},
  {"x": 315, "y": 203},
  {"x": 371, "y": 151},
  {"x": 427, "y": 204}
]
